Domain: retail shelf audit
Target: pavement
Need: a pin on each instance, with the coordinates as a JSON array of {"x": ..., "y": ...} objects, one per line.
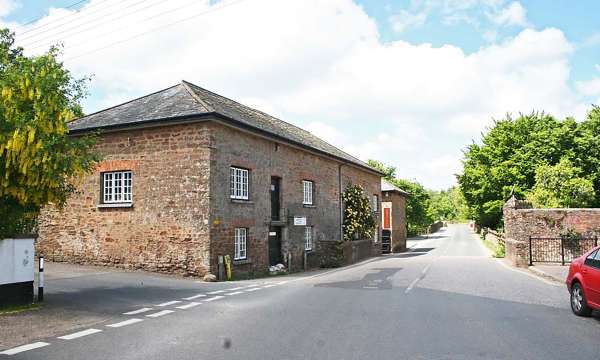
[
  {"x": 553, "y": 272},
  {"x": 444, "y": 299}
]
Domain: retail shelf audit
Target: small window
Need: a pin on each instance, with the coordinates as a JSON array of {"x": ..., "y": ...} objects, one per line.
[
  {"x": 240, "y": 243},
  {"x": 308, "y": 238},
  {"x": 116, "y": 187},
  {"x": 375, "y": 203},
  {"x": 238, "y": 180},
  {"x": 590, "y": 259},
  {"x": 308, "y": 192}
]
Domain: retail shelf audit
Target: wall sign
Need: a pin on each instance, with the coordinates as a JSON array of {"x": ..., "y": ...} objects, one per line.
[{"x": 299, "y": 221}]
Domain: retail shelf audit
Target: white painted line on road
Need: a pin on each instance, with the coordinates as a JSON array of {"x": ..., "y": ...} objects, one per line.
[
  {"x": 169, "y": 303},
  {"x": 282, "y": 282},
  {"x": 188, "y": 306},
  {"x": 138, "y": 311},
  {"x": 214, "y": 298},
  {"x": 250, "y": 286},
  {"x": 370, "y": 287},
  {"x": 252, "y": 289},
  {"x": 79, "y": 334},
  {"x": 22, "y": 348},
  {"x": 194, "y": 297},
  {"x": 426, "y": 269},
  {"x": 235, "y": 293},
  {"x": 268, "y": 286},
  {"x": 527, "y": 273},
  {"x": 216, "y": 292},
  {"x": 412, "y": 284},
  {"x": 125, "y": 323},
  {"x": 160, "y": 313},
  {"x": 235, "y": 288}
]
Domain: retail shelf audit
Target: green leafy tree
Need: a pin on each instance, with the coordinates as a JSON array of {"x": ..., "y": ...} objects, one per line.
[
  {"x": 448, "y": 205},
  {"x": 561, "y": 185},
  {"x": 508, "y": 156},
  {"x": 39, "y": 162},
  {"x": 418, "y": 214},
  {"x": 359, "y": 222}
]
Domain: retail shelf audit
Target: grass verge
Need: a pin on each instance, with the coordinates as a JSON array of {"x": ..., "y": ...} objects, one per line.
[
  {"x": 497, "y": 250},
  {"x": 15, "y": 309}
]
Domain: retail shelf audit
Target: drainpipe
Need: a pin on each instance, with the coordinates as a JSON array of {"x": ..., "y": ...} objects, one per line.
[{"x": 341, "y": 202}]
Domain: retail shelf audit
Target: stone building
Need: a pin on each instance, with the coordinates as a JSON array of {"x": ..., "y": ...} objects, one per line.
[
  {"x": 188, "y": 175},
  {"x": 393, "y": 218}
]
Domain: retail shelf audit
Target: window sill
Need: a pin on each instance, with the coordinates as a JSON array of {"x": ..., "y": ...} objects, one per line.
[
  {"x": 115, "y": 205},
  {"x": 242, "y": 261},
  {"x": 309, "y": 206},
  {"x": 241, "y": 201}
]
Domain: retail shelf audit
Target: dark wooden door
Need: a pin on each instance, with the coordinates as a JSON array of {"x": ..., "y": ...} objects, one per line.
[
  {"x": 275, "y": 198},
  {"x": 386, "y": 241},
  {"x": 274, "y": 246}
]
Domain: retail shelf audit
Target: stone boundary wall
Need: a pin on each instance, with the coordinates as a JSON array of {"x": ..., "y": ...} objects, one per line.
[
  {"x": 493, "y": 236},
  {"x": 521, "y": 221},
  {"x": 336, "y": 253}
]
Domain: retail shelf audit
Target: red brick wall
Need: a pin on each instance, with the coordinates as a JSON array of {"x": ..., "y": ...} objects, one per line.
[
  {"x": 167, "y": 227},
  {"x": 398, "y": 220},
  {"x": 265, "y": 158},
  {"x": 520, "y": 223}
]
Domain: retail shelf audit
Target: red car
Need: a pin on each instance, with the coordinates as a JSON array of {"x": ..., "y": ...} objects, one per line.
[{"x": 583, "y": 283}]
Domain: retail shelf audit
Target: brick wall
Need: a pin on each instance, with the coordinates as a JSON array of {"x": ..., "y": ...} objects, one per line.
[
  {"x": 398, "y": 206},
  {"x": 266, "y": 158},
  {"x": 166, "y": 230},
  {"x": 521, "y": 222}
]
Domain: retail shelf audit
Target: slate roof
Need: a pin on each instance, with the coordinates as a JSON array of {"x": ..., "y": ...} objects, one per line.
[
  {"x": 186, "y": 100},
  {"x": 387, "y": 186}
]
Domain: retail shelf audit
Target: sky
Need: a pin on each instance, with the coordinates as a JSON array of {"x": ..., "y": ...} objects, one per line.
[{"x": 410, "y": 83}]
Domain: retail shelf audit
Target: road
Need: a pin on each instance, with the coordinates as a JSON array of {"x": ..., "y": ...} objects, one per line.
[{"x": 445, "y": 299}]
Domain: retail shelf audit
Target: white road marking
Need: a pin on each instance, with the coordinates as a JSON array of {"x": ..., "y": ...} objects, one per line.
[
  {"x": 214, "y": 298},
  {"x": 125, "y": 323},
  {"x": 527, "y": 273},
  {"x": 282, "y": 282},
  {"x": 194, "y": 297},
  {"x": 187, "y": 306},
  {"x": 79, "y": 334},
  {"x": 370, "y": 287},
  {"x": 160, "y": 313},
  {"x": 139, "y": 311},
  {"x": 412, "y": 284},
  {"x": 235, "y": 288},
  {"x": 268, "y": 286},
  {"x": 169, "y": 303},
  {"x": 250, "y": 286},
  {"x": 252, "y": 289},
  {"x": 216, "y": 292},
  {"x": 22, "y": 348},
  {"x": 235, "y": 293}
]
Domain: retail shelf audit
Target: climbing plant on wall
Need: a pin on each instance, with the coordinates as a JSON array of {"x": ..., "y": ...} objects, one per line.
[{"x": 359, "y": 222}]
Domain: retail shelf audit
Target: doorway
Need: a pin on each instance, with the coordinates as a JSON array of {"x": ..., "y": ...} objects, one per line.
[{"x": 274, "y": 245}]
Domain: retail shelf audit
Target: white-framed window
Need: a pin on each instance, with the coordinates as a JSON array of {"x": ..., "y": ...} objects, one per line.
[
  {"x": 375, "y": 203},
  {"x": 308, "y": 192},
  {"x": 240, "y": 243},
  {"x": 308, "y": 238},
  {"x": 117, "y": 187},
  {"x": 238, "y": 179}
]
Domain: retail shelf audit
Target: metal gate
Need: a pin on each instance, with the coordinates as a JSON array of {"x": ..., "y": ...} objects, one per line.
[{"x": 558, "y": 249}]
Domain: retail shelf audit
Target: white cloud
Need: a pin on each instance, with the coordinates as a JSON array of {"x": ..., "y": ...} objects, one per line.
[
  {"x": 589, "y": 87},
  {"x": 6, "y": 7},
  {"x": 322, "y": 65},
  {"x": 513, "y": 14},
  {"x": 404, "y": 19}
]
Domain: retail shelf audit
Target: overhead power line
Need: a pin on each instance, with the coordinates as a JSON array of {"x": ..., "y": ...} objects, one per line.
[
  {"x": 41, "y": 17},
  {"x": 78, "y": 31},
  {"x": 235, "y": 2},
  {"x": 81, "y": 17},
  {"x": 75, "y": 45},
  {"x": 82, "y": 9}
]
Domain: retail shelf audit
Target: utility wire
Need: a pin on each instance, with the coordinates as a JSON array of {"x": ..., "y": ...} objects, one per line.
[
  {"x": 40, "y": 17},
  {"x": 75, "y": 45},
  {"x": 235, "y": 2},
  {"x": 81, "y": 10},
  {"x": 94, "y": 21}
]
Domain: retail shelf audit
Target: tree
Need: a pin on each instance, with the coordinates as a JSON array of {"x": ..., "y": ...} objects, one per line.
[
  {"x": 359, "y": 222},
  {"x": 418, "y": 215},
  {"x": 39, "y": 162},
  {"x": 508, "y": 156},
  {"x": 561, "y": 185},
  {"x": 448, "y": 205}
]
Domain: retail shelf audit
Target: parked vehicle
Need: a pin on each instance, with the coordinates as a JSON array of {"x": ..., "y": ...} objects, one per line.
[{"x": 583, "y": 283}]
